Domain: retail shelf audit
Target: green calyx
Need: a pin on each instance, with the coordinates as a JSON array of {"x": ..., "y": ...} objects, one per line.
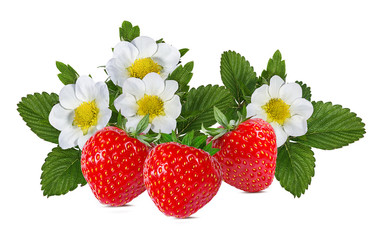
[
  {"x": 190, "y": 139},
  {"x": 227, "y": 125},
  {"x": 140, "y": 128}
]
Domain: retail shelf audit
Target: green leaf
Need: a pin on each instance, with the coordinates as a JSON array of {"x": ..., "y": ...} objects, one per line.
[
  {"x": 134, "y": 33},
  {"x": 220, "y": 118},
  {"x": 306, "y": 92},
  {"x": 199, "y": 107},
  {"x": 128, "y": 32},
  {"x": 174, "y": 137},
  {"x": 114, "y": 91},
  {"x": 142, "y": 125},
  {"x": 199, "y": 142},
  {"x": 119, "y": 121},
  {"x": 35, "y": 109},
  {"x": 275, "y": 66},
  {"x": 61, "y": 172},
  {"x": 188, "y": 138},
  {"x": 209, "y": 148},
  {"x": 242, "y": 114},
  {"x": 237, "y": 75},
  {"x": 214, "y": 132},
  {"x": 165, "y": 138},
  {"x": 331, "y": 127},
  {"x": 160, "y": 41},
  {"x": 183, "y": 51},
  {"x": 149, "y": 138},
  {"x": 67, "y": 74},
  {"x": 183, "y": 75},
  {"x": 295, "y": 167}
]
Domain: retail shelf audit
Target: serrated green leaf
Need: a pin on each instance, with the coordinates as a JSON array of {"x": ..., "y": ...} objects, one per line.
[
  {"x": 126, "y": 27},
  {"x": 306, "y": 91},
  {"x": 67, "y": 74},
  {"x": 183, "y": 75},
  {"x": 35, "y": 109},
  {"x": 183, "y": 51},
  {"x": 237, "y": 75},
  {"x": 134, "y": 33},
  {"x": 199, "y": 105},
  {"x": 128, "y": 32},
  {"x": 295, "y": 167},
  {"x": 61, "y": 172},
  {"x": 331, "y": 127},
  {"x": 275, "y": 66}
]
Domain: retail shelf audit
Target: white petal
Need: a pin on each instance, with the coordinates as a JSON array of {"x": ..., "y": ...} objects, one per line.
[
  {"x": 83, "y": 139},
  {"x": 68, "y": 98},
  {"x": 85, "y": 89},
  {"x": 146, "y": 46},
  {"x": 163, "y": 124},
  {"x": 166, "y": 70},
  {"x": 102, "y": 97},
  {"x": 290, "y": 92},
  {"x": 126, "y": 103},
  {"x": 126, "y": 52},
  {"x": 154, "y": 84},
  {"x": 170, "y": 88},
  {"x": 261, "y": 95},
  {"x": 275, "y": 84},
  {"x": 103, "y": 118},
  {"x": 68, "y": 138},
  {"x": 279, "y": 133},
  {"x": 255, "y": 111},
  {"x": 295, "y": 126},
  {"x": 61, "y": 118},
  {"x": 117, "y": 71},
  {"x": 132, "y": 122},
  {"x": 173, "y": 107},
  {"x": 166, "y": 55},
  {"x": 301, "y": 107},
  {"x": 135, "y": 87}
]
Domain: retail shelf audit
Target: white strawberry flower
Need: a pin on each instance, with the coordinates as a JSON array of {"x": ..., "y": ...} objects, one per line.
[
  {"x": 153, "y": 96},
  {"x": 140, "y": 57},
  {"x": 281, "y": 104},
  {"x": 81, "y": 111}
]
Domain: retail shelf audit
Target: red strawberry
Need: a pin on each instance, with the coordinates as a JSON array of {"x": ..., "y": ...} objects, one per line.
[
  {"x": 248, "y": 155},
  {"x": 181, "y": 179},
  {"x": 112, "y": 163}
]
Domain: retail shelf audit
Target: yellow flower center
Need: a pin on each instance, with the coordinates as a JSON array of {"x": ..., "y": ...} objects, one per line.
[
  {"x": 86, "y": 116},
  {"x": 277, "y": 110},
  {"x": 143, "y": 66},
  {"x": 151, "y": 105}
]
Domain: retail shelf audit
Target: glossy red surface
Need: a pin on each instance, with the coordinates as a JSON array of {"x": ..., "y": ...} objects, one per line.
[
  {"x": 181, "y": 179},
  {"x": 248, "y": 155},
  {"x": 112, "y": 163}
]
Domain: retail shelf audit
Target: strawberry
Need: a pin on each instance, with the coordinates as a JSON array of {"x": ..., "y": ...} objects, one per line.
[
  {"x": 248, "y": 153},
  {"x": 181, "y": 179},
  {"x": 112, "y": 163}
]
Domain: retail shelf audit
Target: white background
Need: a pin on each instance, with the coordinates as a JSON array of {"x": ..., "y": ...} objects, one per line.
[{"x": 336, "y": 47}]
